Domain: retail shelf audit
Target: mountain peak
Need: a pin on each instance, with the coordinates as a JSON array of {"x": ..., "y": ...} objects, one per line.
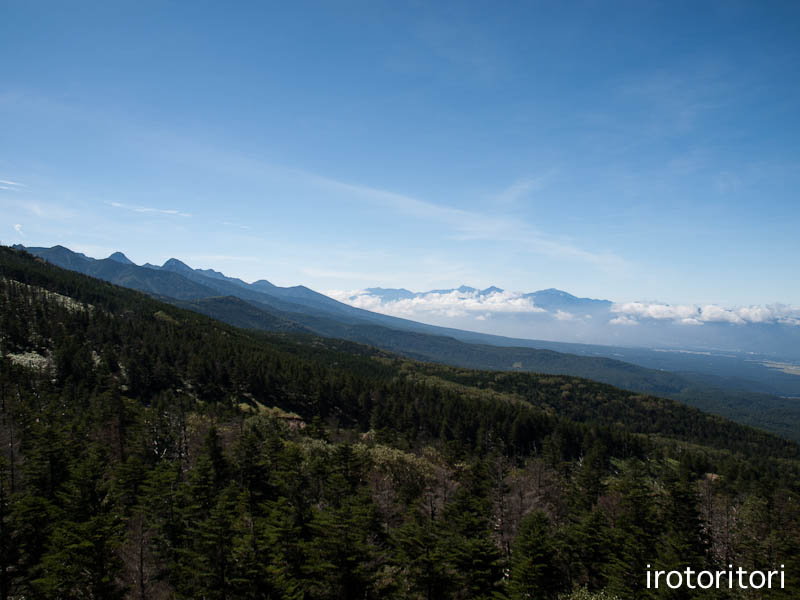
[
  {"x": 173, "y": 264},
  {"x": 555, "y": 299},
  {"x": 492, "y": 289},
  {"x": 555, "y": 292},
  {"x": 262, "y": 284},
  {"x": 120, "y": 258}
]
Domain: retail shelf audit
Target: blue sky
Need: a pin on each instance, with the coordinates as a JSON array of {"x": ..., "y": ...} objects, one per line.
[{"x": 624, "y": 150}]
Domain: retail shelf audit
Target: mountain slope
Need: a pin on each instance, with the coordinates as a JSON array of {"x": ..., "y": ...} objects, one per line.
[
  {"x": 298, "y": 309},
  {"x": 149, "y": 324},
  {"x": 772, "y": 413}
]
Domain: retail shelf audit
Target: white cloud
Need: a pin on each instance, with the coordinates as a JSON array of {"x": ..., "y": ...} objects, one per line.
[
  {"x": 693, "y": 314},
  {"x": 644, "y": 310},
  {"x": 712, "y": 313},
  {"x": 18, "y": 229},
  {"x": 144, "y": 209},
  {"x": 450, "y": 304},
  {"x": 11, "y": 183}
]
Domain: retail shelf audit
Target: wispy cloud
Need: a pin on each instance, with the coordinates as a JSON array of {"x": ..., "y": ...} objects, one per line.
[
  {"x": 7, "y": 185},
  {"x": 223, "y": 258},
  {"x": 474, "y": 225},
  {"x": 465, "y": 50},
  {"x": 48, "y": 210},
  {"x": 40, "y": 210},
  {"x": 237, "y": 225},
  {"x": 460, "y": 224},
  {"x": 18, "y": 229},
  {"x": 520, "y": 189},
  {"x": 677, "y": 100},
  {"x": 339, "y": 274},
  {"x": 145, "y": 209}
]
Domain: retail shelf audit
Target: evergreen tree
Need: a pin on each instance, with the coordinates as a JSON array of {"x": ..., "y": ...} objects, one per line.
[
  {"x": 535, "y": 572},
  {"x": 81, "y": 559},
  {"x": 684, "y": 542}
]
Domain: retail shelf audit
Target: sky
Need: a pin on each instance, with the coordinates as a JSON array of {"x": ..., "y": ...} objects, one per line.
[{"x": 634, "y": 151}]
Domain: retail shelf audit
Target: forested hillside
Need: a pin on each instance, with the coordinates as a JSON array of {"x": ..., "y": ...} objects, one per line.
[
  {"x": 151, "y": 452},
  {"x": 266, "y": 307}
]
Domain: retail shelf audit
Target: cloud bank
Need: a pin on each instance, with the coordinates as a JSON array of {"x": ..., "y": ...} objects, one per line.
[
  {"x": 453, "y": 303},
  {"x": 484, "y": 305},
  {"x": 631, "y": 313}
]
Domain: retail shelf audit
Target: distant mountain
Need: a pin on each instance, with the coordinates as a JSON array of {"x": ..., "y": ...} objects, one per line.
[
  {"x": 144, "y": 279},
  {"x": 262, "y": 285},
  {"x": 464, "y": 289},
  {"x": 173, "y": 264},
  {"x": 59, "y": 255},
  {"x": 392, "y": 294},
  {"x": 553, "y": 299},
  {"x": 549, "y": 303},
  {"x": 556, "y": 315},
  {"x": 175, "y": 279},
  {"x": 550, "y": 299}
]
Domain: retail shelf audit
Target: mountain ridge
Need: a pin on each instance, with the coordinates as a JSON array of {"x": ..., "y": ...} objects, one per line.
[{"x": 302, "y": 309}]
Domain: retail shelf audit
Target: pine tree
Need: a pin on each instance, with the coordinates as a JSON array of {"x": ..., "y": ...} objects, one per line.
[
  {"x": 683, "y": 542},
  {"x": 422, "y": 557},
  {"x": 634, "y": 536},
  {"x": 81, "y": 559},
  {"x": 535, "y": 573},
  {"x": 9, "y": 551}
]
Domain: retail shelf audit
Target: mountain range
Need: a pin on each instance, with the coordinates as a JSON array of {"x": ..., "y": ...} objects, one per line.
[
  {"x": 725, "y": 387},
  {"x": 550, "y": 299},
  {"x": 557, "y": 315}
]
